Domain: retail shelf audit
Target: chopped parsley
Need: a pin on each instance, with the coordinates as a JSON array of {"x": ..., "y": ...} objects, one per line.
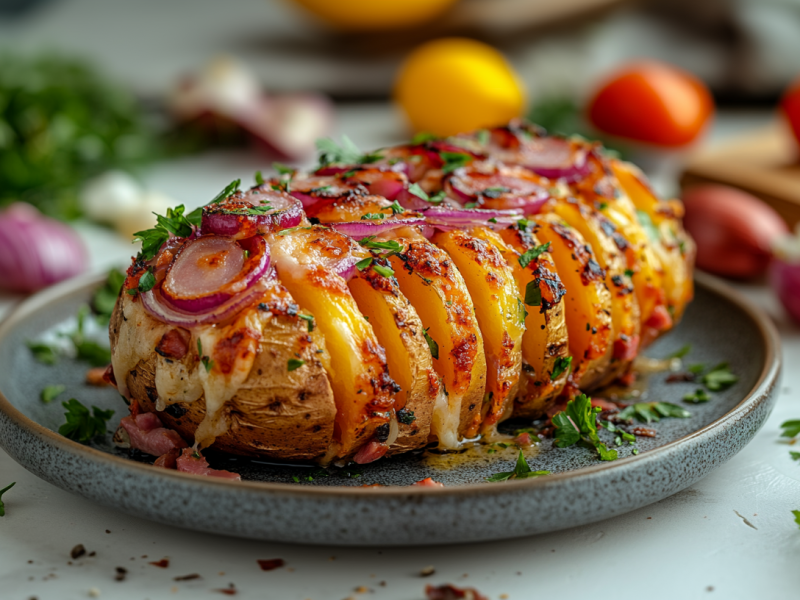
[
  {"x": 146, "y": 281},
  {"x": 364, "y": 263},
  {"x": 105, "y": 297},
  {"x": 796, "y": 514},
  {"x": 453, "y": 161},
  {"x": 309, "y": 319},
  {"x": 44, "y": 353},
  {"x": 396, "y": 208},
  {"x": 647, "y": 224},
  {"x": 424, "y": 136},
  {"x": 521, "y": 471},
  {"x": 383, "y": 270},
  {"x": 719, "y": 378},
  {"x": 532, "y": 254},
  {"x": 228, "y": 190},
  {"x": 577, "y": 424},
  {"x": 294, "y": 363},
  {"x": 523, "y": 314},
  {"x": 417, "y": 191},
  {"x": 82, "y": 424},
  {"x": 794, "y": 455},
  {"x": 434, "y": 347},
  {"x": 406, "y": 416},
  {"x": 629, "y": 272},
  {"x": 533, "y": 293},
  {"x": 482, "y": 136},
  {"x": 259, "y": 178},
  {"x": 282, "y": 169},
  {"x": 699, "y": 396},
  {"x": 205, "y": 360},
  {"x": 495, "y": 192},
  {"x": 3, "y": 491},
  {"x": 647, "y": 412},
  {"x": 790, "y": 428},
  {"x": 621, "y": 435},
  {"x": 562, "y": 364},
  {"x": 392, "y": 246},
  {"x": 373, "y": 216},
  {"x": 348, "y": 153},
  {"x": 51, "y": 392},
  {"x": 683, "y": 351},
  {"x": 175, "y": 223},
  {"x": 471, "y": 205},
  {"x": 437, "y": 197}
]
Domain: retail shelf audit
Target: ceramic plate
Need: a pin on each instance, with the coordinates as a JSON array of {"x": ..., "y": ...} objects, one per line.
[{"x": 300, "y": 504}]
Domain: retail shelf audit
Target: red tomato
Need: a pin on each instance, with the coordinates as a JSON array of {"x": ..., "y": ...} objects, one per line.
[
  {"x": 652, "y": 102},
  {"x": 790, "y": 103}
]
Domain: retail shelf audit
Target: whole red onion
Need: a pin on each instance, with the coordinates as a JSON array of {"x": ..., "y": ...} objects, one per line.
[{"x": 36, "y": 251}]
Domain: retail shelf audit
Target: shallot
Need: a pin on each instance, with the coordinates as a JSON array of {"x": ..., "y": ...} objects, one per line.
[
  {"x": 734, "y": 230},
  {"x": 785, "y": 272},
  {"x": 36, "y": 251}
]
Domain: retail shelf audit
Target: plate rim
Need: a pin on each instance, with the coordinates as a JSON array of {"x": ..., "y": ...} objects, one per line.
[{"x": 769, "y": 374}]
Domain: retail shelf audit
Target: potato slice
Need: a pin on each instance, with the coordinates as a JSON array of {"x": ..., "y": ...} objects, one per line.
[
  {"x": 545, "y": 342},
  {"x": 306, "y": 260},
  {"x": 277, "y": 414},
  {"x": 609, "y": 247},
  {"x": 433, "y": 284},
  {"x": 602, "y": 191},
  {"x": 494, "y": 293},
  {"x": 588, "y": 301},
  {"x": 662, "y": 220},
  {"x": 400, "y": 332}
]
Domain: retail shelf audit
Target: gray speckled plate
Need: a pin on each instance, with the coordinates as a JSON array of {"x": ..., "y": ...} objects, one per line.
[{"x": 278, "y": 502}]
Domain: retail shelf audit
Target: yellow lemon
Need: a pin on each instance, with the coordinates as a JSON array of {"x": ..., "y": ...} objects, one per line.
[
  {"x": 370, "y": 15},
  {"x": 452, "y": 85}
]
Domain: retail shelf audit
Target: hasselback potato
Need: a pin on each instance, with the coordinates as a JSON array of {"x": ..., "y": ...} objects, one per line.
[{"x": 420, "y": 293}]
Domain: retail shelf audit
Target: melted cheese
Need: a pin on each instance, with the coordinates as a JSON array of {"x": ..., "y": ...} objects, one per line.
[
  {"x": 445, "y": 419},
  {"x": 175, "y": 382}
]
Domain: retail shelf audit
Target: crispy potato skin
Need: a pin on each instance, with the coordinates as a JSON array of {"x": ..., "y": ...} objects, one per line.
[
  {"x": 433, "y": 284},
  {"x": 400, "y": 331},
  {"x": 276, "y": 414},
  {"x": 545, "y": 339}
]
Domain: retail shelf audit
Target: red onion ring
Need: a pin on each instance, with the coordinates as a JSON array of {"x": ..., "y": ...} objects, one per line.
[
  {"x": 524, "y": 191},
  {"x": 227, "y": 219},
  {"x": 210, "y": 270},
  {"x": 381, "y": 182},
  {"x": 362, "y": 229},
  {"x": 310, "y": 190},
  {"x": 153, "y": 303},
  {"x": 550, "y": 157}
]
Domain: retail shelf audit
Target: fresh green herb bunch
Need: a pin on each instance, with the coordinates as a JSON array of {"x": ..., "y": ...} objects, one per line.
[{"x": 60, "y": 123}]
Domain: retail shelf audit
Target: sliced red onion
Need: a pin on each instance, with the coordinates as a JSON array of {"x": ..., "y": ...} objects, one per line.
[
  {"x": 381, "y": 182},
  {"x": 498, "y": 187},
  {"x": 451, "y": 218},
  {"x": 551, "y": 157},
  {"x": 210, "y": 270},
  {"x": 154, "y": 304},
  {"x": 310, "y": 190},
  {"x": 233, "y": 217},
  {"x": 36, "y": 251},
  {"x": 362, "y": 229}
]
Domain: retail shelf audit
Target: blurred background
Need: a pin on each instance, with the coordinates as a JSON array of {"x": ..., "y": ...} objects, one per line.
[{"x": 110, "y": 110}]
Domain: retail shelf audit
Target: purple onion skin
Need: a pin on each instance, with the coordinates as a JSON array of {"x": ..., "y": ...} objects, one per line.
[
  {"x": 37, "y": 251},
  {"x": 361, "y": 229},
  {"x": 785, "y": 280}
]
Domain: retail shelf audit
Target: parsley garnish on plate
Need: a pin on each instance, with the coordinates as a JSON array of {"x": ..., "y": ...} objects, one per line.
[
  {"x": 796, "y": 514},
  {"x": 51, "y": 392},
  {"x": 790, "y": 428},
  {"x": 44, "y": 353},
  {"x": 82, "y": 424},
  {"x": 719, "y": 378},
  {"x": 521, "y": 471},
  {"x": 577, "y": 424},
  {"x": 3, "y": 491},
  {"x": 105, "y": 297},
  {"x": 648, "y": 412},
  {"x": 680, "y": 353},
  {"x": 699, "y": 396}
]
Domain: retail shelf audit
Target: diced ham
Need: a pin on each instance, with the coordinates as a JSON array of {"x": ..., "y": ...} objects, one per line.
[
  {"x": 626, "y": 348},
  {"x": 96, "y": 376},
  {"x": 372, "y": 451},
  {"x": 428, "y": 482},
  {"x": 660, "y": 320},
  {"x": 168, "y": 460},
  {"x": 451, "y": 592},
  {"x": 148, "y": 435},
  {"x": 109, "y": 376},
  {"x": 174, "y": 344},
  {"x": 523, "y": 439},
  {"x": 192, "y": 462}
]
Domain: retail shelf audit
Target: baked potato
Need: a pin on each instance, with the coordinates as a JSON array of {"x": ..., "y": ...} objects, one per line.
[{"x": 362, "y": 310}]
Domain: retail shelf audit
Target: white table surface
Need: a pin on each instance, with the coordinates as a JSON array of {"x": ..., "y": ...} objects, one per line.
[{"x": 731, "y": 535}]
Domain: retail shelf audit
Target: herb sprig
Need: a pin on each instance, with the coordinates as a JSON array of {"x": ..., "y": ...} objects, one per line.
[
  {"x": 3, "y": 491},
  {"x": 577, "y": 424},
  {"x": 82, "y": 424},
  {"x": 521, "y": 471}
]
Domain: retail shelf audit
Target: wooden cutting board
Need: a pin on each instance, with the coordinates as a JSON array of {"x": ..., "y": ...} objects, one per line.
[{"x": 764, "y": 163}]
